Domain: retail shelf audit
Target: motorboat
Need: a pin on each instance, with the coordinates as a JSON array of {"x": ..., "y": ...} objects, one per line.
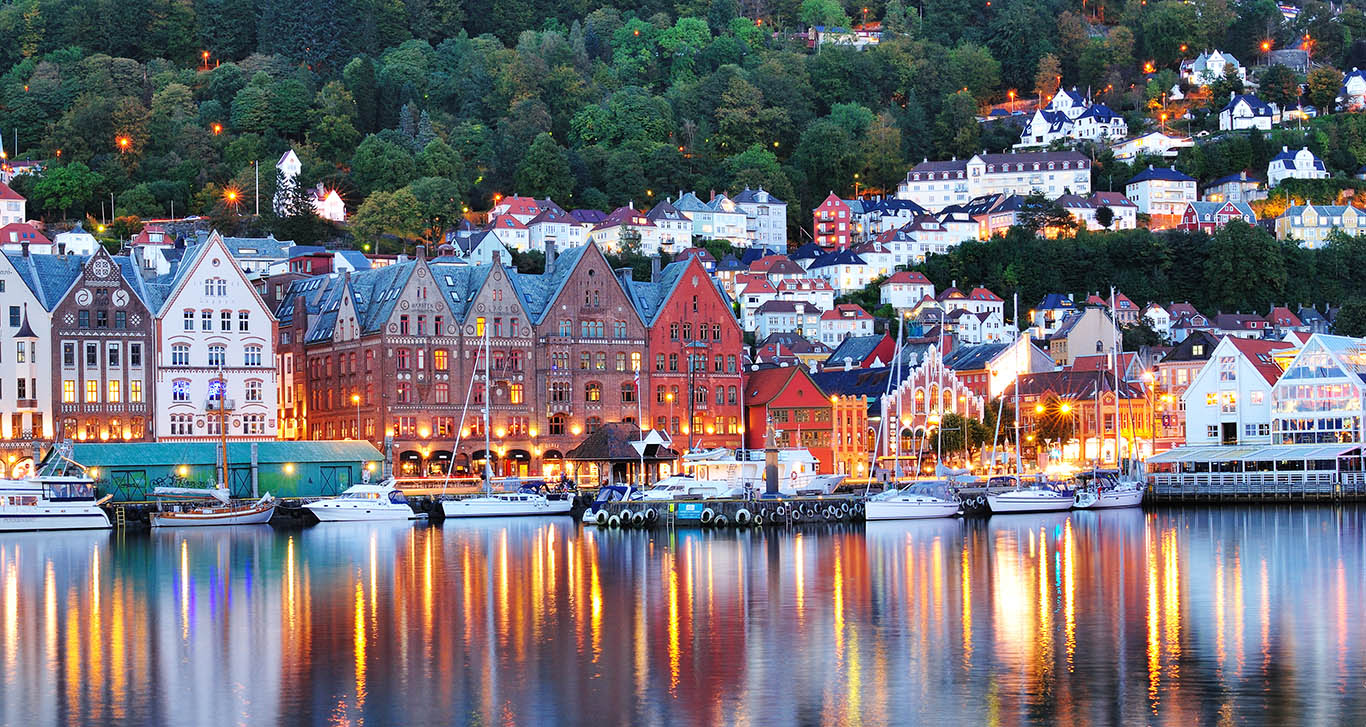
[
  {"x": 911, "y": 503},
  {"x": 1026, "y": 497},
  {"x": 684, "y": 487},
  {"x": 596, "y": 514},
  {"x": 219, "y": 511},
  {"x": 1106, "y": 489},
  {"x": 730, "y": 472},
  {"x": 364, "y": 502},
  {"x": 59, "y": 497},
  {"x": 528, "y": 499}
]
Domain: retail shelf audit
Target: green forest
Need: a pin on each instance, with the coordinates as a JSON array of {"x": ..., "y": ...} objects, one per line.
[{"x": 415, "y": 110}]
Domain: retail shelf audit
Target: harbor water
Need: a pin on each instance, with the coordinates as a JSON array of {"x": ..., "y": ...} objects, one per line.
[{"x": 1169, "y": 617}]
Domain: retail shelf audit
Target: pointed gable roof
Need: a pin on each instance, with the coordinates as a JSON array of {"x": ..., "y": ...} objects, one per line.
[{"x": 906, "y": 277}]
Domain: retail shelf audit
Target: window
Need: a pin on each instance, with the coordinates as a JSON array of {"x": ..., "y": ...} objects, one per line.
[
  {"x": 92, "y": 391},
  {"x": 635, "y": 361},
  {"x": 135, "y": 391},
  {"x": 1256, "y": 397},
  {"x": 215, "y": 287},
  {"x": 404, "y": 359},
  {"x": 68, "y": 391},
  {"x": 92, "y": 354},
  {"x": 559, "y": 392},
  {"x": 441, "y": 359},
  {"x": 628, "y": 393},
  {"x": 180, "y": 354},
  {"x": 218, "y": 356},
  {"x": 251, "y": 356},
  {"x": 687, "y": 331},
  {"x": 1212, "y": 431},
  {"x": 405, "y": 392},
  {"x": 443, "y": 393},
  {"x": 600, "y": 361},
  {"x": 559, "y": 361},
  {"x": 716, "y": 331},
  {"x": 254, "y": 390},
  {"x": 422, "y": 325},
  {"x": 592, "y": 391},
  {"x": 403, "y": 325},
  {"x": 514, "y": 360},
  {"x": 659, "y": 394},
  {"x": 115, "y": 395},
  {"x": 557, "y": 424},
  {"x": 585, "y": 361},
  {"x": 515, "y": 394},
  {"x": 566, "y": 328},
  {"x": 84, "y": 318},
  {"x": 14, "y": 321},
  {"x": 69, "y": 354},
  {"x": 621, "y": 361},
  {"x": 243, "y": 321},
  {"x": 659, "y": 362},
  {"x": 225, "y": 320},
  {"x": 113, "y": 355},
  {"x": 594, "y": 424},
  {"x": 673, "y": 331},
  {"x": 730, "y": 364},
  {"x": 1211, "y": 399},
  {"x": 206, "y": 320},
  {"x": 730, "y": 394},
  {"x": 619, "y": 329},
  {"x": 673, "y": 362},
  {"x": 479, "y": 326},
  {"x": 120, "y": 319}
]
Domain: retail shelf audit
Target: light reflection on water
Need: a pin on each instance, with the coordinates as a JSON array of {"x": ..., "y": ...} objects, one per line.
[{"x": 1172, "y": 617}]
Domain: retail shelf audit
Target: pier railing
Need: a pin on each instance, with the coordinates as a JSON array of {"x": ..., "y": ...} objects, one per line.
[{"x": 1258, "y": 485}]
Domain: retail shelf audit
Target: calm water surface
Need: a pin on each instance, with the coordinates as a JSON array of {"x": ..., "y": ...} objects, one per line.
[{"x": 1233, "y": 616}]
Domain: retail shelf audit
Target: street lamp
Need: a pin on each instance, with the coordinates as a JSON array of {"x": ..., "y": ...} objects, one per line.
[{"x": 355, "y": 399}]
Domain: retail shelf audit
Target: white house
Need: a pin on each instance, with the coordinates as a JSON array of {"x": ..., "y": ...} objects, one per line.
[
  {"x": 483, "y": 247},
  {"x": 1069, "y": 115},
  {"x": 1158, "y": 319},
  {"x": 1312, "y": 225},
  {"x": 904, "y": 289},
  {"x": 1161, "y": 191},
  {"x": 816, "y": 291},
  {"x": 327, "y": 204},
  {"x": 672, "y": 227},
  {"x": 1245, "y": 111},
  {"x": 787, "y": 316},
  {"x": 935, "y": 185},
  {"x": 1153, "y": 143},
  {"x": 1125, "y": 211},
  {"x": 212, "y": 323},
  {"x": 765, "y": 218},
  {"x": 1234, "y": 188},
  {"x": 1352, "y": 94},
  {"x": 76, "y": 241},
  {"x": 845, "y": 320},
  {"x": 13, "y": 206},
  {"x": 1229, "y": 400},
  {"x": 846, "y": 271},
  {"x": 719, "y": 219},
  {"x": 1207, "y": 68},
  {"x": 626, "y": 220},
  {"x": 752, "y": 293},
  {"x": 554, "y": 226},
  {"x": 914, "y": 241},
  {"x": 511, "y": 232},
  {"x": 1300, "y": 164}
]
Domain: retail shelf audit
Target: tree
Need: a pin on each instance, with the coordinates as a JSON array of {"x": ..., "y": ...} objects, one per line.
[
  {"x": 1351, "y": 318},
  {"x": 1323, "y": 83},
  {"x": 439, "y": 205},
  {"x": 1244, "y": 266},
  {"x": 1048, "y": 76},
  {"x": 828, "y": 13},
  {"x": 956, "y": 130},
  {"x": 66, "y": 187},
  {"x": 883, "y": 165},
  {"x": 381, "y": 165},
  {"x": 382, "y": 214},
  {"x": 1105, "y": 216},
  {"x": 544, "y": 171},
  {"x": 1280, "y": 85}
]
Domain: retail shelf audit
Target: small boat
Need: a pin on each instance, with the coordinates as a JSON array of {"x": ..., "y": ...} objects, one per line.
[
  {"x": 222, "y": 513},
  {"x": 596, "y": 514},
  {"x": 684, "y": 487},
  {"x": 1106, "y": 489},
  {"x": 59, "y": 497},
  {"x": 1036, "y": 497},
  {"x": 729, "y": 472},
  {"x": 364, "y": 502},
  {"x": 911, "y": 503}
]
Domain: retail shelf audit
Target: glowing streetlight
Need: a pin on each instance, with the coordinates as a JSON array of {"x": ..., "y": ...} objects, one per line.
[
  {"x": 217, "y": 128},
  {"x": 123, "y": 142}
]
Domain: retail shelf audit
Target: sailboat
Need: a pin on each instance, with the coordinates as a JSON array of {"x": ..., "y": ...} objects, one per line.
[
  {"x": 220, "y": 510},
  {"x": 526, "y": 501},
  {"x": 1104, "y": 489}
]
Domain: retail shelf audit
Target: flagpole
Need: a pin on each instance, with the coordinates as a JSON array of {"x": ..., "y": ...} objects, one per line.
[{"x": 640, "y": 425}]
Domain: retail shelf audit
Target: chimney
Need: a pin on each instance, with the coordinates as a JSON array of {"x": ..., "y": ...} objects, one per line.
[
  {"x": 23, "y": 247},
  {"x": 654, "y": 269},
  {"x": 549, "y": 252},
  {"x": 421, "y": 252}
]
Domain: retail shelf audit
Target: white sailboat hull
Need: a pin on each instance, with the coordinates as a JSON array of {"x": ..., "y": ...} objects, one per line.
[
  {"x": 504, "y": 507},
  {"x": 211, "y": 516},
  {"x": 1029, "y": 501},
  {"x": 1109, "y": 499},
  {"x": 909, "y": 509},
  {"x": 53, "y": 517},
  {"x": 335, "y": 512}
]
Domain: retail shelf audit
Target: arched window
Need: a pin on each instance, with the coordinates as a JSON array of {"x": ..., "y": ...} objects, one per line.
[
  {"x": 558, "y": 423},
  {"x": 592, "y": 391}
]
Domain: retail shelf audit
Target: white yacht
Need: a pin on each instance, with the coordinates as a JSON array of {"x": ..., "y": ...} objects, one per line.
[
  {"x": 506, "y": 504},
  {"x": 59, "y": 497},
  {"x": 1105, "y": 490},
  {"x": 1025, "y": 497},
  {"x": 684, "y": 487},
  {"x": 727, "y": 472},
  {"x": 910, "y": 503},
  {"x": 364, "y": 502}
]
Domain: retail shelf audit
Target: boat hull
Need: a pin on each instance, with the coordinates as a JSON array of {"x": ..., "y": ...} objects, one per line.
[
  {"x": 916, "y": 510},
  {"x": 328, "y": 511},
  {"x": 205, "y": 517},
  {"x": 1010, "y": 502},
  {"x": 16, "y": 519},
  {"x": 1107, "y": 500},
  {"x": 494, "y": 507}
]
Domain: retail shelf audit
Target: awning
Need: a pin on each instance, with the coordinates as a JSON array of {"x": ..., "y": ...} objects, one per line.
[
  {"x": 1202, "y": 454},
  {"x": 1284, "y": 452}
]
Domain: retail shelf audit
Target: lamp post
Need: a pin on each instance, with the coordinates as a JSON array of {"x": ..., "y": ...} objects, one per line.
[{"x": 355, "y": 399}]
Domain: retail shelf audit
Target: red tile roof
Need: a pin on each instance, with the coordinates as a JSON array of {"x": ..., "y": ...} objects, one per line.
[
  {"x": 1101, "y": 362},
  {"x": 846, "y": 311},
  {"x": 1259, "y": 354},
  {"x": 764, "y": 385},
  {"x": 7, "y": 193},
  {"x": 984, "y": 294},
  {"x": 18, "y": 232},
  {"x": 907, "y": 277}
]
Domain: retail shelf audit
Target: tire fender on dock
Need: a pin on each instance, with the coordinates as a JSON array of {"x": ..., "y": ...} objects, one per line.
[
  {"x": 742, "y": 517},
  {"x": 614, "y": 521},
  {"x": 707, "y": 516}
]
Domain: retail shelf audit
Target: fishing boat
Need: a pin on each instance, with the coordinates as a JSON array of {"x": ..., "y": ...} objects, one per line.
[
  {"x": 1026, "y": 496},
  {"x": 364, "y": 502},
  {"x": 1106, "y": 489},
  {"x": 528, "y": 499},
  {"x": 217, "y": 507},
  {"x": 924, "y": 499},
  {"x": 60, "y": 496}
]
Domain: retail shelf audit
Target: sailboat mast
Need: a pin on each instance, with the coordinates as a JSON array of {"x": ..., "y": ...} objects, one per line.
[
  {"x": 1019, "y": 467},
  {"x": 895, "y": 429},
  {"x": 1118, "y": 351},
  {"x": 488, "y": 397},
  {"x": 939, "y": 398},
  {"x": 223, "y": 429}
]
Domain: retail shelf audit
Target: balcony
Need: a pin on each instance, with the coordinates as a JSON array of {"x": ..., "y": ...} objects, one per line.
[{"x": 26, "y": 403}]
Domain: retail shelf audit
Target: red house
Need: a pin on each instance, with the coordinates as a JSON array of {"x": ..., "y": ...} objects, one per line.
[
  {"x": 798, "y": 410},
  {"x": 833, "y": 222},
  {"x": 692, "y": 324},
  {"x": 1210, "y": 216}
]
